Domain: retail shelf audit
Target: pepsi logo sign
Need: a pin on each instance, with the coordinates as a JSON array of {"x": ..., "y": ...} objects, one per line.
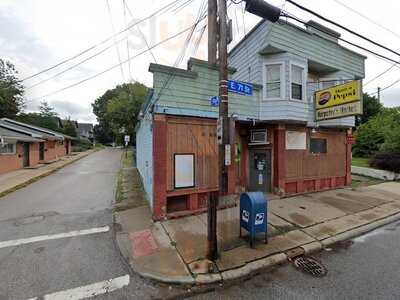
[{"x": 324, "y": 98}]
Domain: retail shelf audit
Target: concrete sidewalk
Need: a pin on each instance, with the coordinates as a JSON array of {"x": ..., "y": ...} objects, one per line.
[
  {"x": 12, "y": 181},
  {"x": 174, "y": 250}
]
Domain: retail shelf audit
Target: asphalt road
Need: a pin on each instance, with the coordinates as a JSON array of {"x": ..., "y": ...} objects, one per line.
[
  {"x": 78, "y": 197},
  {"x": 364, "y": 268}
]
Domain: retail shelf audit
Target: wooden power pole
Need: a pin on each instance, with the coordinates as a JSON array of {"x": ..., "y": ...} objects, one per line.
[
  {"x": 223, "y": 120},
  {"x": 212, "y": 251}
]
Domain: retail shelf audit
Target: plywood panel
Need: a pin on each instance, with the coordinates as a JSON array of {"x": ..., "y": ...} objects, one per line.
[
  {"x": 304, "y": 165},
  {"x": 197, "y": 136}
]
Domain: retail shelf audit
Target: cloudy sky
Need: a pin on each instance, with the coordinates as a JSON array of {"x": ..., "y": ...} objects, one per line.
[{"x": 37, "y": 34}]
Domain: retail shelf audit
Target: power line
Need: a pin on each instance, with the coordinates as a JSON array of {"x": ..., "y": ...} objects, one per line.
[
  {"x": 386, "y": 87},
  {"x": 112, "y": 67},
  {"x": 290, "y": 16},
  {"x": 342, "y": 27},
  {"x": 140, "y": 32},
  {"x": 115, "y": 42},
  {"x": 367, "y": 18},
  {"x": 164, "y": 8},
  {"x": 74, "y": 65},
  {"x": 380, "y": 74}
]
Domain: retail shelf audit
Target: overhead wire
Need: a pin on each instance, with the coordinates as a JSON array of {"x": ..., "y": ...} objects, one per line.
[
  {"x": 112, "y": 67},
  {"x": 115, "y": 41},
  {"x": 160, "y": 11},
  {"x": 342, "y": 27}
]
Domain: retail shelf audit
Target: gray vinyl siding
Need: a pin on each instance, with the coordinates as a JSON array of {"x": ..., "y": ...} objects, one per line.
[
  {"x": 144, "y": 155},
  {"x": 290, "y": 44}
]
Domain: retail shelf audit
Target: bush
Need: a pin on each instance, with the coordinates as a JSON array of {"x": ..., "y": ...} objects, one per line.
[
  {"x": 81, "y": 145},
  {"x": 386, "y": 161}
]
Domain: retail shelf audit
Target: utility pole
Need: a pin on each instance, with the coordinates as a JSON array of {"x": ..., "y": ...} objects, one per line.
[
  {"x": 264, "y": 10},
  {"x": 379, "y": 94},
  {"x": 212, "y": 251},
  {"x": 212, "y": 31}
]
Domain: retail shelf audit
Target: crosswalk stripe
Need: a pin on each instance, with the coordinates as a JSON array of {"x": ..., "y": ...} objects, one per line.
[
  {"x": 40, "y": 238},
  {"x": 87, "y": 291}
]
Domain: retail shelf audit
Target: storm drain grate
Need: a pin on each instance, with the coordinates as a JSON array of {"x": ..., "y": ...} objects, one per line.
[{"x": 310, "y": 266}]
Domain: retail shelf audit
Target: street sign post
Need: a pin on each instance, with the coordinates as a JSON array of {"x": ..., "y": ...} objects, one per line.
[
  {"x": 214, "y": 101},
  {"x": 240, "y": 87}
]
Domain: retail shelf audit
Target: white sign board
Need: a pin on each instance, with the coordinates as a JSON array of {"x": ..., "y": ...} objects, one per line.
[
  {"x": 184, "y": 170},
  {"x": 227, "y": 155},
  {"x": 127, "y": 138},
  {"x": 296, "y": 140}
]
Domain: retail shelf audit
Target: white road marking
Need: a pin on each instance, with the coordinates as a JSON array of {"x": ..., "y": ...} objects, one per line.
[
  {"x": 41, "y": 238},
  {"x": 91, "y": 290}
]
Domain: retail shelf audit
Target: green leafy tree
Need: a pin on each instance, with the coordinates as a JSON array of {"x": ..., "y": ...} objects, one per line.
[
  {"x": 11, "y": 91},
  {"x": 117, "y": 109},
  {"x": 371, "y": 107},
  {"x": 381, "y": 133},
  {"x": 46, "y": 118},
  {"x": 69, "y": 128}
]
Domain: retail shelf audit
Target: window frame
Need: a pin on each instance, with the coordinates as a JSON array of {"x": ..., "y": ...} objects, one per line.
[
  {"x": 281, "y": 64},
  {"x": 14, "y": 149},
  {"x": 303, "y": 81},
  {"x": 318, "y": 153}
]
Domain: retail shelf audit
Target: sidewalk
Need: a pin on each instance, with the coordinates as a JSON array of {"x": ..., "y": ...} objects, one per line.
[
  {"x": 12, "y": 181},
  {"x": 174, "y": 250}
]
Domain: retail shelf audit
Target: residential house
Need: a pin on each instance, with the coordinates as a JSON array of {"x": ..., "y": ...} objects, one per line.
[
  {"x": 278, "y": 147},
  {"x": 85, "y": 131},
  {"x": 23, "y": 145}
]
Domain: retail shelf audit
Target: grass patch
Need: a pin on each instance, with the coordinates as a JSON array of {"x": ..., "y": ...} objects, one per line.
[
  {"x": 119, "y": 196},
  {"x": 360, "y": 162},
  {"x": 360, "y": 181},
  {"x": 127, "y": 159}
]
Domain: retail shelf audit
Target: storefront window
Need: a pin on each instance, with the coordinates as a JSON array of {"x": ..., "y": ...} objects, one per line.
[{"x": 318, "y": 146}]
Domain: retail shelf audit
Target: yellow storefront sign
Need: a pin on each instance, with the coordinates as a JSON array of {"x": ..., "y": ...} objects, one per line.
[
  {"x": 339, "y": 111},
  {"x": 338, "y": 95}
]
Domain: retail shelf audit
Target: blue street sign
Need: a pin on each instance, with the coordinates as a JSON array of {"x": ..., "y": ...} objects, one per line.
[
  {"x": 214, "y": 101},
  {"x": 240, "y": 87}
]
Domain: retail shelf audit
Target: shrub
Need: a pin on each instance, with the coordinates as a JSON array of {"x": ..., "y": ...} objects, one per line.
[
  {"x": 81, "y": 145},
  {"x": 386, "y": 161}
]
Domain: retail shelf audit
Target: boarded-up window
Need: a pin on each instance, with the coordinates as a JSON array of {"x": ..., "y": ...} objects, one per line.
[
  {"x": 184, "y": 170},
  {"x": 296, "y": 140},
  {"x": 318, "y": 146}
]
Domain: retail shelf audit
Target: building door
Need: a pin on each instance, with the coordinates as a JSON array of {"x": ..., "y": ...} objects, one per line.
[
  {"x": 260, "y": 170},
  {"x": 41, "y": 151},
  {"x": 25, "y": 158}
]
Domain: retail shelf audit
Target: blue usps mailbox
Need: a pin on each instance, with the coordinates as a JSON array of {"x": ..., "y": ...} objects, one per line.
[{"x": 253, "y": 214}]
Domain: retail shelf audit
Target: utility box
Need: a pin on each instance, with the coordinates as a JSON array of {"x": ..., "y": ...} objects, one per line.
[{"x": 253, "y": 215}]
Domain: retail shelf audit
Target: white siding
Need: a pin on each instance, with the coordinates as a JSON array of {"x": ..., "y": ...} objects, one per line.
[{"x": 144, "y": 155}]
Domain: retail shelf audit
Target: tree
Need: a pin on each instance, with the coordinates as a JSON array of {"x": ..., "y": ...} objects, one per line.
[
  {"x": 371, "y": 107},
  {"x": 11, "y": 91},
  {"x": 381, "y": 133},
  {"x": 45, "y": 110},
  {"x": 46, "y": 118},
  {"x": 117, "y": 109},
  {"x": 69, "y": 128}
]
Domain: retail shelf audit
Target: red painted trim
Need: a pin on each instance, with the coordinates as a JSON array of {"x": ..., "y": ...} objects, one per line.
[
  {"x": 279, "y": 157},
  {"x": 160, "y": 167}
]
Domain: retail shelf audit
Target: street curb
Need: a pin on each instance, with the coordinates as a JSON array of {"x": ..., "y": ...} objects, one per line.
[
  {"x": 36, "y": 178},
  {"x": 312, "y": 247},
  {"x": 254, "y": 266},
  {"x": 360, "y": 230}
]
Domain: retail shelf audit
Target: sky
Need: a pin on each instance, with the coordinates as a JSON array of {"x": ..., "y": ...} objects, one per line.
[{"x": 37, "y": 34}]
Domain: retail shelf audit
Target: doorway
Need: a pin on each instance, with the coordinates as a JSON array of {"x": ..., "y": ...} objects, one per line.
[
  {"x": 41, "y": 151},
  {"x": 260, "y": 170},
  {"x": 25, "y": 158}
]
